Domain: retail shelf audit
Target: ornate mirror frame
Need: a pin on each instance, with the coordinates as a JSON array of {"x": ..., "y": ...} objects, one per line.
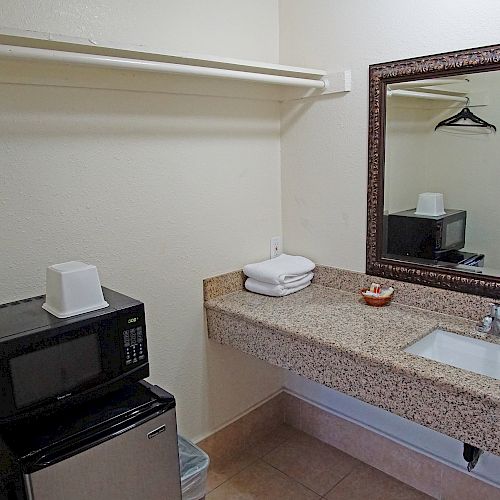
[{"x": 439, "y": 65}]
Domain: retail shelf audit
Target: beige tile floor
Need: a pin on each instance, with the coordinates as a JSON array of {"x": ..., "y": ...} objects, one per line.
[{"x": 291, "y": 465}]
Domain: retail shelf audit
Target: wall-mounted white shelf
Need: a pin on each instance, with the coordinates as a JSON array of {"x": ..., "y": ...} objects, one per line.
[{"x": 26, "y": 51}]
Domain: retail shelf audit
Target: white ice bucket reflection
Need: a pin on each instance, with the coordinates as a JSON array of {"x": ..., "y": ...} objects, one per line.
[{"x": 430, "y": 204}]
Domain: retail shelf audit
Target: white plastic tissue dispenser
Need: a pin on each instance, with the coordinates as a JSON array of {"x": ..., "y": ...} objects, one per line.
[
  {"x": 73, "y": 288},
  {"x": 430, "y": 204}
]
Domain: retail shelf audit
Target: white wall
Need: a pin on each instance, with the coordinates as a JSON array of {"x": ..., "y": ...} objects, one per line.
[
  {"x": 246, "y": 30},
  {"x": 468, "y": 169},
  {"x": 324, "y": 143},
  {"x": 406, "y": 159},
  {"x": 159, "y": 191}
]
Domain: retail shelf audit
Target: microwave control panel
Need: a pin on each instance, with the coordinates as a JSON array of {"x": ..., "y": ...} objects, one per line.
[
  {"x": 135, "y": 346},
  {"x": 132, "y": 329}
]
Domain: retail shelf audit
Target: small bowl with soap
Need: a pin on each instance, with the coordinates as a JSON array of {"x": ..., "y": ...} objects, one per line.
[{"x": 376, "y": 295}]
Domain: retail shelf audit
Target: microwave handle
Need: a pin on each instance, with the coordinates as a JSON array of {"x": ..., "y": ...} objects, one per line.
[{"x": 439, "y": 236}]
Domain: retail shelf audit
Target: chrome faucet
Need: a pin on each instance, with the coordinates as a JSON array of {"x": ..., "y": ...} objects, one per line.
[{"x": 491, "y": 322}]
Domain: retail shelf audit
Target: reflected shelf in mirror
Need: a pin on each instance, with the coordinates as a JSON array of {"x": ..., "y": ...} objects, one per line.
[
  {"x": 417, "y": 161},
  {"x": 407, "y": 158}
]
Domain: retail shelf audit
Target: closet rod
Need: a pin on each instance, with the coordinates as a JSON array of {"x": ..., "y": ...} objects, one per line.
[
  {"x": 36, "y": 54},
  {"x": 426, "y": 95},
  {"x": 428, "y": 83}
]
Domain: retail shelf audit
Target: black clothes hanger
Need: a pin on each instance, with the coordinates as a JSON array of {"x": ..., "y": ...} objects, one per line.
[{"x": 465, "y": 114}]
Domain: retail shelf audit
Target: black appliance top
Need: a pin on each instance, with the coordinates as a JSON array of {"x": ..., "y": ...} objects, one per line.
[
  {"x": 34, "y": 439},
  {"x": 460, "y": 257},
  {"x": 411, "y": 213},
  {"x": 27, "y": 315}
]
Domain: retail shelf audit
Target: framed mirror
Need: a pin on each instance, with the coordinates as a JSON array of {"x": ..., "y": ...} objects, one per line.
[{"x": 434, "y": 171}]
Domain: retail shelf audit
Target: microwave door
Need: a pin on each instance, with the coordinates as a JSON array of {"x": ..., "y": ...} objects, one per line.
[
  {"x": 53, "y": 372},
  {"x": 136, "y": 459}
]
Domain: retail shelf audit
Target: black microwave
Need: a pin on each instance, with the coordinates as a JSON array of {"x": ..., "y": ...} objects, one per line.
[
  {"x": 47, "y": 362},
  {"x": 425, "y": 236}
]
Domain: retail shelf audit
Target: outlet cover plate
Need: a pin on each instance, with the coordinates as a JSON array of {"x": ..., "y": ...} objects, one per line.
[{"x": 275, "y": 246}]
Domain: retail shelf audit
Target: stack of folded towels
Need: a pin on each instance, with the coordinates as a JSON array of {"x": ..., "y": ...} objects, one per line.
[{"x": 280, "y": 276}]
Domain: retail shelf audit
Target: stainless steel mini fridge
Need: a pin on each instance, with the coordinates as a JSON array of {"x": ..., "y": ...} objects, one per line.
[{"x": 119, "y": 447}]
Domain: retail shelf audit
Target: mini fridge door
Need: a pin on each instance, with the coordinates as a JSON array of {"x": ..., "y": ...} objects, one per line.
[{"x": 140, "y": 461}]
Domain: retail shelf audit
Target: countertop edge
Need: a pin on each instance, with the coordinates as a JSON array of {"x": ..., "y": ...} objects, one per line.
[
  {"x": 466, "y": 416},
  {"x": 444, "y": 384}
]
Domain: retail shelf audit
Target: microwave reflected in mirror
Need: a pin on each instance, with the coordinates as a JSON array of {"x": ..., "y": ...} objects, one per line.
[{"x": 441, "y": 173}]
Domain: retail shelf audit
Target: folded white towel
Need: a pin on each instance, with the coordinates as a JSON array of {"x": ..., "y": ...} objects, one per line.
[
  {"x": 273, "y": 290},
  {"x": 281, "y": 270},
  {"x": 277, "y": 290}
]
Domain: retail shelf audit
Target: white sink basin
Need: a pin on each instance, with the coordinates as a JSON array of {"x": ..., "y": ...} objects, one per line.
[{"x": 468, "y": 353}]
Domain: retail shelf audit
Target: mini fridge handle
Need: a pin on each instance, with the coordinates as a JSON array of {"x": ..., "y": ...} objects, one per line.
[
  {"x": 142, "y": 462},
  {"x": 66, "y": 450}
]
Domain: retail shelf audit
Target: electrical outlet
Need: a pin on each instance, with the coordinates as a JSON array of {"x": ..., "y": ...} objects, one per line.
[{"x": 275, "y": 246}]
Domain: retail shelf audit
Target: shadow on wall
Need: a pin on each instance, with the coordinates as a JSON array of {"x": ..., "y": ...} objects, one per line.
[
  {"x": 292, "y": 111},
  {"x": 49, "y": 111},
  {"x": 244, "y": 371}
]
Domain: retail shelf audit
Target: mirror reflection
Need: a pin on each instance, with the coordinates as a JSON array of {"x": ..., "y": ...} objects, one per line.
[{"x": 441, "y": 179}]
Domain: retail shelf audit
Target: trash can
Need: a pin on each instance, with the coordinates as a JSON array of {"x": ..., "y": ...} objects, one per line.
[{"x": 194, "y": 469}]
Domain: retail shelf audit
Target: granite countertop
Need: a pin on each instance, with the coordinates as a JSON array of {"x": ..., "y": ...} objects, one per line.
[{"x": 336, "y": 339}]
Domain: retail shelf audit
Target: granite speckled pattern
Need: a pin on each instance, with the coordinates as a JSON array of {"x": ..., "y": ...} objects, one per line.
[
  {"x": 410, "y": 294},
  {"x": 223, "y": 284},
  {"x": 330, "y": 336},
  {"x": 434, "y": 299}
]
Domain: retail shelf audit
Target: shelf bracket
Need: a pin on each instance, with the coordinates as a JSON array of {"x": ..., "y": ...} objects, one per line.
[{"x": 338, "y": 82}]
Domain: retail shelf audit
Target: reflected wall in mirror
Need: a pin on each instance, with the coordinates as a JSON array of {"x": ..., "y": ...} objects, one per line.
[
  {"x": 459, "y": 162},
  {"x": 434, "y": 171}
]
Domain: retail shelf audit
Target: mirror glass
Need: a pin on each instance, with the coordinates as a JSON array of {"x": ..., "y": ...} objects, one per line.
[{"x": 442, "y": 173}]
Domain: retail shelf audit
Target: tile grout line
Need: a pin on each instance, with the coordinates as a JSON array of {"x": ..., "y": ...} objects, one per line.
[
  {"x": 441, "y": 486},
  {"x": 234, "y": 475},
  {"x": 301, "y": 403},
  {"x": 339, "y": 481},
  {"x": 293, "y": 479},
  {"x": 262, "y": 459},
  {"x": 252, "y": 462},
  {"x": 305, "y": 402}
]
